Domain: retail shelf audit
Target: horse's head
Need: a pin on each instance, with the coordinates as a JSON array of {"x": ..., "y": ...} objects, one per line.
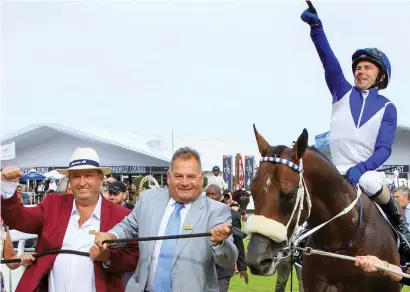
[{"x": 275, "y": 193}]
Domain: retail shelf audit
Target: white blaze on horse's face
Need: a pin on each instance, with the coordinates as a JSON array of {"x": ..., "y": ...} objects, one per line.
[{"x": 268, "y": 184}]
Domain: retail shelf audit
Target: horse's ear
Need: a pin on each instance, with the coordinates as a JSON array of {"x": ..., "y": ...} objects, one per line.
[
  {"x": 262, "y": 144},
  {"x": 300, "y": 146}
]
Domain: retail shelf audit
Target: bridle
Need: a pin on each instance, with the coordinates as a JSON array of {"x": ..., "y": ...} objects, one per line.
[
  {"x": 303, "y": 192},
  {"x": 301, "y": 195}
]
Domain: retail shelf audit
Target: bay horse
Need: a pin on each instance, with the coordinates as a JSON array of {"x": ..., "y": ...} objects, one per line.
[{"x": 361, "y": 231}]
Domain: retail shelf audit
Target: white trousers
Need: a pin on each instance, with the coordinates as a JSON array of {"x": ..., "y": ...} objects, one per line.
[{"x": 372, "y": 181}]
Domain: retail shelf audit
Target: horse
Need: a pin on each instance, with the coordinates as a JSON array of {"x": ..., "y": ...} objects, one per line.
[{"x": 283, "y": 173}]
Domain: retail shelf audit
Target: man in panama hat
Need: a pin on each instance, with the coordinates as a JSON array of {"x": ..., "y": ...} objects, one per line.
[{"x": 67, "y": 222}]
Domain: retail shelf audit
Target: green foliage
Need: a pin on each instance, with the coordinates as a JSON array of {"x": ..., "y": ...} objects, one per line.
[
  {"x": 205, "y": 182},
  {"x": 136, "y": 180}
]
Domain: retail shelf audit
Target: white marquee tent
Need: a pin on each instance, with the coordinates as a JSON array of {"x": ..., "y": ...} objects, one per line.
[{"x": 51, "y": 145}]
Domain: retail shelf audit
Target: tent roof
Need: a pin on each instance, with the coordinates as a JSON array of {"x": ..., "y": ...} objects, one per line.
[{"x": 160, "y": 147}]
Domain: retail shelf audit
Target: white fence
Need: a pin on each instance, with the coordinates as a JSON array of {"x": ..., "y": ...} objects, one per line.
[{"x": 12, "y": 277}]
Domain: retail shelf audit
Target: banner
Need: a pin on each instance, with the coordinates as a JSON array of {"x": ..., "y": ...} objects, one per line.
[
  {"x": 8, "y": 151},
  {"x": 249, "y": 171},
  {"x": 239, "y": 173},
  {"x": 393, "y": 168},
  {"x": 227, "y": 170}
]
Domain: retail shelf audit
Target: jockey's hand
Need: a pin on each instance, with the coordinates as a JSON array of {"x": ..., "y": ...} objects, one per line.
[
  {"x": 354, "y": 174},
  {"x": 220, "y": 233},
  {"x": 310, "y": 18},
  {"x": 244, "y": 275}
]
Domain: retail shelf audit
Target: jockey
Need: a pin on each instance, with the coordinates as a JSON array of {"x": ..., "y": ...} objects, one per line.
[
  {"x": 363, "y": 125},
  {"x": 215, "y": 179}
]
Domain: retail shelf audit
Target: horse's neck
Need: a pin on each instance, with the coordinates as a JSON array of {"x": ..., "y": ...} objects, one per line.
[{"x": 330, "y": 195}]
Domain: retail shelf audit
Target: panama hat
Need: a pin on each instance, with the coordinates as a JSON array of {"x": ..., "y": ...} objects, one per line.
[{"x": 84, "y": 158}]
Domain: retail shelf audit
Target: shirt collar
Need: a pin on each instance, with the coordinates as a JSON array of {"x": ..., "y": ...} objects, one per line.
[
  {"x": 172, "y": 202},
  {"x": 365, "y": 93},
  {"x": 96, "y": 212}
]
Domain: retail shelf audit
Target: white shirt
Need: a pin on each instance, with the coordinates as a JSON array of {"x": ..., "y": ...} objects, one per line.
[
  {"x": 52, "y": 186},
  {"x": 217, "y": 180},
  {"x": 72, "y": 273}
]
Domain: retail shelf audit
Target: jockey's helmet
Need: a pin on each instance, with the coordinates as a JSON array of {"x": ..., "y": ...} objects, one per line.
[{"x": 378, "y": 58}]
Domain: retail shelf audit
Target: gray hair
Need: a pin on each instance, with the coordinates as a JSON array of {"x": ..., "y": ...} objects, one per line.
[
  {"x": 186, "y": 153},
  {"x": 404, "y": 191}
]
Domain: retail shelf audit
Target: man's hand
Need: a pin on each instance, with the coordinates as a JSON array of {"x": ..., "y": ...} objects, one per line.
[
  {"x": 367, "y": 263},
  {"x": 99, "y": 253},
  {"x": 102, "y": 236},
  {"x": 11, "y": 174},
  {"x": 220, "y": 233},
  {"x": 244, "y": 275},
  {"x": 27, "y": 259}
]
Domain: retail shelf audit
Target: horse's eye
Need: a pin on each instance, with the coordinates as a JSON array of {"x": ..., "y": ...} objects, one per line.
[{"x": 290, "y": 195}]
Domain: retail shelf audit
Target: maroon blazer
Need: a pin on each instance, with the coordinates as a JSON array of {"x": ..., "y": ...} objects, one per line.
[{"x": 49, "y": 221}]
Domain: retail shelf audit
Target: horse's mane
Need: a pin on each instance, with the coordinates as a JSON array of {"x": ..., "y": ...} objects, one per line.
[
  {"x": 276, "y": 151},
  {"x": 314, "y": 149}
]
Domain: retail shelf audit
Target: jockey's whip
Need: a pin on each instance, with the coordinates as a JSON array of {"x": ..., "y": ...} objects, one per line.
[{"x": 235, "y": 231}]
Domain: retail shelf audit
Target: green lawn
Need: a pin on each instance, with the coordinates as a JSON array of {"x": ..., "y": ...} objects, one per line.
[{"x": 265, "y": 284}]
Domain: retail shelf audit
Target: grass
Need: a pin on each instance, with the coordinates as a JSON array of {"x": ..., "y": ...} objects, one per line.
[
  {"x": 259, "y": 283},
  {"x": 265, "y": 284}
]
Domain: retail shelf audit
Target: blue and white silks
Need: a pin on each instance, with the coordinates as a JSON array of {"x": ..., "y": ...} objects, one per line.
[{"x": 363, "y": 125}]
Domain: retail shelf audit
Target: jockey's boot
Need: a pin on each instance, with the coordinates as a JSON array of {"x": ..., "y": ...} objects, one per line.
[{"x": 392, "y": 210}]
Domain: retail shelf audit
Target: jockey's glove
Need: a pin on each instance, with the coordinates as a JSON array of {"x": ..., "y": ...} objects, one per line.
[
  {"x": 310, "y": 18},
  {"x": 354, "y": 174}
]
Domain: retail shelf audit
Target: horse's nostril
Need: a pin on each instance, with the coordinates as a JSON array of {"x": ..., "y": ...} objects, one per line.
[{"x": 266, "y": 262}]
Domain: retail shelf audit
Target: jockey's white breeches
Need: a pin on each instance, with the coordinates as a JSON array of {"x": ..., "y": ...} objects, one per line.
[{"x": 372, "y": 181}]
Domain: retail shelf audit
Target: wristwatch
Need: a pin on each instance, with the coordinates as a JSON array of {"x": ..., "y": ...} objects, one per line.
[{"x": 107, "y": 263}]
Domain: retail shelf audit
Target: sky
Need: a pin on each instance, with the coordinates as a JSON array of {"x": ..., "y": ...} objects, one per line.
[{"x": 198, "y": 68}]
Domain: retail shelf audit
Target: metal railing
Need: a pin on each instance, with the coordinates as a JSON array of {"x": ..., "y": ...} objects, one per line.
[{"x": 12, "y": 277}]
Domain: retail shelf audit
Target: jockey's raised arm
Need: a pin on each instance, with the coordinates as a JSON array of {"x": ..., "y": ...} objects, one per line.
[
  {"x": 335, "y": 79},
  {"x": 363, "y": 122}
]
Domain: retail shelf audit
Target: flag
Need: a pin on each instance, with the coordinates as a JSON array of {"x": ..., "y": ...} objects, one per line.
[
  {"x": 227, "y": 170},
  {"x": 249, "y": 171},
  {"x": 8, "y": 151}
]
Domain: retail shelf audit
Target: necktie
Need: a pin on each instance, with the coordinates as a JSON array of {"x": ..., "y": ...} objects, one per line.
[{"x": 162, "y": 279}]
